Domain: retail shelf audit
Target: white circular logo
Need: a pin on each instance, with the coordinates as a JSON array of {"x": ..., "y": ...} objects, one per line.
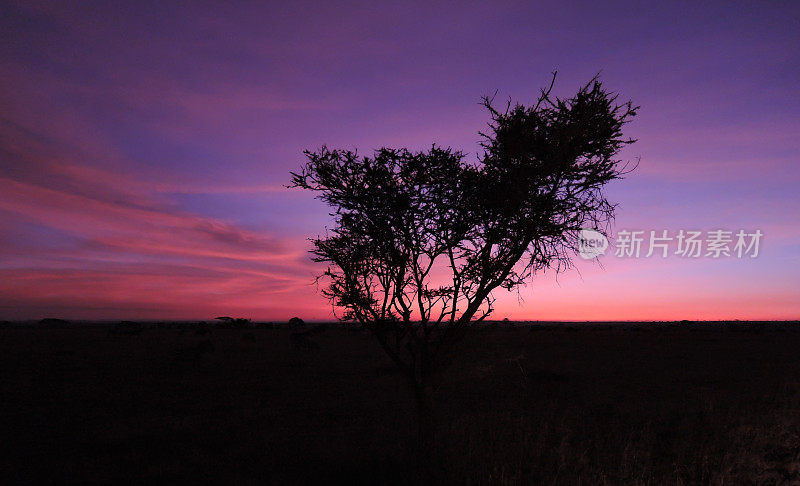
[{"x": 591, "y": 243}]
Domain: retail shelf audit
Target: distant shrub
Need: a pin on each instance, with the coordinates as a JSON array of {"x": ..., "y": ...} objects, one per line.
[
  {"x": 53, "y": 323},
  {"x": 509, "y": 323},
  {"x": 234, "y": 323}
]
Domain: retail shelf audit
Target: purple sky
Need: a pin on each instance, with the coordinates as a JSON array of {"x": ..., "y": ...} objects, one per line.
[{"x": 143, "y": 147}]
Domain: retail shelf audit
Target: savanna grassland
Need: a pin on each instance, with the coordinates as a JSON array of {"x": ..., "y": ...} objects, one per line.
[{"x": 649, "y": 403}]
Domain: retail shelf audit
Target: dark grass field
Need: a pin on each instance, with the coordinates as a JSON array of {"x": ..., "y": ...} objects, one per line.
[{"x": 679, "y": 403}]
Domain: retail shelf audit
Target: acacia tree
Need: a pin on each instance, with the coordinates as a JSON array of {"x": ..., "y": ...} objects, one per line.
[{"x": 421, "y": 240}]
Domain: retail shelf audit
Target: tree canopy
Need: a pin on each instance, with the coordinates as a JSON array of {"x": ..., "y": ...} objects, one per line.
[{"x": 421, "y": 240}]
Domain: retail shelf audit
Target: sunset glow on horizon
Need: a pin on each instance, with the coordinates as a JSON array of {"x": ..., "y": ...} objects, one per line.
[{"x": 145, "y": 149}]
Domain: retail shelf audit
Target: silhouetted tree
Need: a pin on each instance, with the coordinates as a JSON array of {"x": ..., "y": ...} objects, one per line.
[{"x": 422, "y": 239}]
